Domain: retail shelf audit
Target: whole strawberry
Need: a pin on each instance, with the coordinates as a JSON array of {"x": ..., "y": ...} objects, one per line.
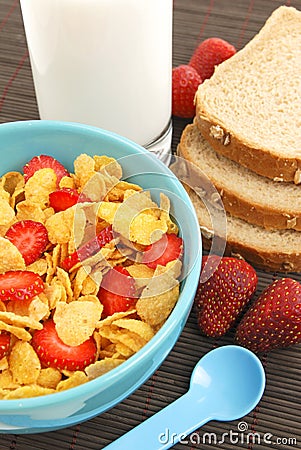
[
  {"x": 230, "y": 284},
  {"x": 185, "y": 81},
  {"x": 209, "y": 54},
  {"x": 274, "y": 320}
]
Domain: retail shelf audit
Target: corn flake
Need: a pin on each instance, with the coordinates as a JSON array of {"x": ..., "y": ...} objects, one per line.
[
  {"x": 110, "y": 319},
  {"x": 26, "y": 210},
  {"x": 154, "y": 309},
  {"x": 107, "y": 211},
  {"x": 60, "y": 226},
  {"x": 3, "y": 364},
  {"x": 111, "y": 166},
  {"x": 18, "y": 332},
  {"x": 63, "y": 277},
  {"x": 34, "y": 308},
  {"x": 137, "y": 326},
  {"x": 75, "y": 379},
  {"x": 12, "y": 181},
  {"x": 7, "y": 213},
  {"x": 102, "y": 367},
  {"x": 22, "y": 321},
  {"x": 128, "y": 338},
  {"x": 6, "y": 380},
  {"x": 24, "y": 363},
  {"x": 49, "y": 378},
  {"x": 39, "y": 266},
  {"x": 91, "y": 285},
  {"x": 39, "y": 186},
  {"x": 67, "y": 182},
  {"x": 124, "y": 350},
  {"x": 84, "y": 169},
  {"x": 28, "y": 391},
  {"x": 75, "y": 322},
  {"x": 10, "y": 257}
]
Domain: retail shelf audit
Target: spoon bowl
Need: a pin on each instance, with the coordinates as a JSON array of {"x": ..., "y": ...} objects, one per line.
[
  {"x": 233, "y": 380},
  {"x": 226, "y": 384}
]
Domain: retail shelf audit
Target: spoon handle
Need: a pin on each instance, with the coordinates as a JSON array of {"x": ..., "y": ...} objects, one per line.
[{"x": 165, "y": 428}]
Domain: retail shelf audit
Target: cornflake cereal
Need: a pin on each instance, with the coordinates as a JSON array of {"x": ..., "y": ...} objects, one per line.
[{"x": 105, "y": 284}]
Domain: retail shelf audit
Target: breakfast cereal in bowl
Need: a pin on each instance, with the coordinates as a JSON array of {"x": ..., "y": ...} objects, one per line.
[
  {"x": 100, "y": 257},
  {"x": 89, "y": 272}
]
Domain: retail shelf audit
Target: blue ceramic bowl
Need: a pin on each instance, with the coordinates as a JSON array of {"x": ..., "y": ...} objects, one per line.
[{"x": 19, "y": 142}]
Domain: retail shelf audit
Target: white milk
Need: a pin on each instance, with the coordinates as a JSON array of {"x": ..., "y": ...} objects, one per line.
[{"x": 106, "y": 63}]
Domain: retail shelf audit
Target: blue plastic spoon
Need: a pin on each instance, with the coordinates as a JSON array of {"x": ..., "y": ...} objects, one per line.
[{"x": 226, "y": 384}]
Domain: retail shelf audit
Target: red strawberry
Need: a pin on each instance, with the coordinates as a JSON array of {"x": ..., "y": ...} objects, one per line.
[
  {"x": 185, "y": 81},
  {"x": 166, "y": 249},
  {"x": 117, "y": 291},
  {"x": 89, "y": 248},
  {"x": 209, "y": 54},
  {"x": 20, "y": 285},
  {"x": 274, "y": 320},
  {"x": 53, "y": 352},
  {"x": 230, "y": 284},
  {"x": 4, "y": 344},
  {"x": 44, "y": 162},
  {"x": 30, "y": 238},
  {"x": 65, "y": 198}
]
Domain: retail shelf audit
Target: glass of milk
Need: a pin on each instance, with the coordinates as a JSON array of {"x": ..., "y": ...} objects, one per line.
[{"x": 106, "y": 63}]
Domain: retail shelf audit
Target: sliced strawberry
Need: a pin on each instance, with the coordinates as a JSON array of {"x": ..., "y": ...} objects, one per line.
[
  {"x": 230, "y": 284},
  {"x": 161, "y": 252},
  {"x": 53, "y": 352},
  {"x": 44, "y": 162},
  {"x": 20, "y": 285},
  {"x": 113, "y": 303},
  {"x": 4, "y": 344},
  {"x": 89, "y": 248},
  {"x": 117, "y": 291},
  {"x": 274, "y": 319},
  {"x": 63, "y": 199},
  {"x": 30, "y": 238}
]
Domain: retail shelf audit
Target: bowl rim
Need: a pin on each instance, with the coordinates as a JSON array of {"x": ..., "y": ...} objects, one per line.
[{"x": 174, "y": 319}]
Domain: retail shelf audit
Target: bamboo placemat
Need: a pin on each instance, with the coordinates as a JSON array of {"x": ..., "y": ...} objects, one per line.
[{"x": 276, "y": 422}]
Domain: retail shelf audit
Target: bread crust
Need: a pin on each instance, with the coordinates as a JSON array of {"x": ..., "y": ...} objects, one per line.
[
  {"x": 257, "y": 215},
  {"x": 269, "y": 257},
  {"x": 268, "y": 261},
  {"x": 237, "y": 206},
  {"x": 258, "y": 160}
]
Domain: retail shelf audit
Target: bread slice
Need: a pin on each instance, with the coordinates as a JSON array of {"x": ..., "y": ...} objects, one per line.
[
  {"x": 245, "y": 194},
  {"x": 250, "y": 109},
  {"x": 271, "y": 250}
]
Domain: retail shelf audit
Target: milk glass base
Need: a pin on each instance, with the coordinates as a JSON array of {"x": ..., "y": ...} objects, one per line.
[{"x": 161, "y": 146}]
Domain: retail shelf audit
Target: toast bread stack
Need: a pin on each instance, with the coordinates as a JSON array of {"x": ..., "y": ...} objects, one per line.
[{"x": 246, "y": 138}]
